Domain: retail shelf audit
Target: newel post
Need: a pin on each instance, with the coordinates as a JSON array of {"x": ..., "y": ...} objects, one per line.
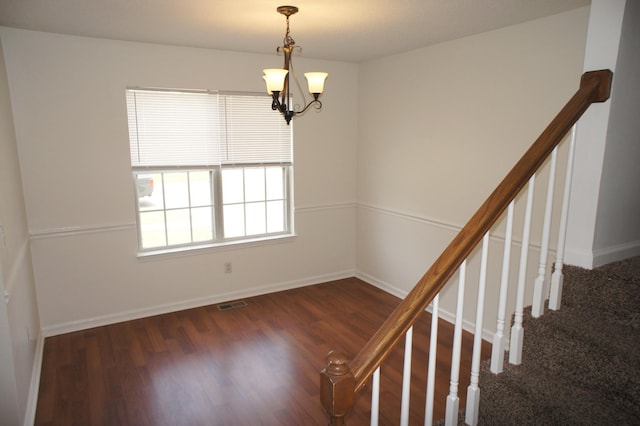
[{"x": 337, "y": 388}]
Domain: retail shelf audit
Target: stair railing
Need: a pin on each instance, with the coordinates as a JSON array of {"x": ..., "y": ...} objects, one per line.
[{"x": 342, "y": 379}]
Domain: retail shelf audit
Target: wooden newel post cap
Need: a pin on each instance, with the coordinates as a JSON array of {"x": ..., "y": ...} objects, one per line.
[
  {"x": 337, "y": 387},
  {"x": 337, "y": 363},
  {"x": 603, "y": 79}
]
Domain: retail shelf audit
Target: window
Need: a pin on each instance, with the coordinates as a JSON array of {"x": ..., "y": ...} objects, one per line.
[{"x": 208, "y": 168}]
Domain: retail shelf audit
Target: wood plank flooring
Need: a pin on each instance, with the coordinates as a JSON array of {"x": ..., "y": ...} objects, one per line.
[{"x": 253, "y": 365}]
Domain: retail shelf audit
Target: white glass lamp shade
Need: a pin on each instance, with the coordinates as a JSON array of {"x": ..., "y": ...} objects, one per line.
[
  {"x": 275, "y": 79},
  {"x": 315, "y": 80},
  {"x": 269, "y": 91}
]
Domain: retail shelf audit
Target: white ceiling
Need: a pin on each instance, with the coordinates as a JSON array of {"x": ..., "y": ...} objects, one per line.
[{"x": 344, "y": 30}]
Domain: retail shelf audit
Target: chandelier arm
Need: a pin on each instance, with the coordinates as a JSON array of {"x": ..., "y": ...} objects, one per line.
[
  {"x": 276, "y": 105},
  {"x": 287, "y": 50},
  {"x": 288, "y": 114},
  {"x": 316, "y": 103},
  {"x": 292, "y": 73}
]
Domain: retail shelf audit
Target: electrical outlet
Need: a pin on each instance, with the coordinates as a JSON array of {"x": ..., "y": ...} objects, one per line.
[{"x": 228, "y": 267}]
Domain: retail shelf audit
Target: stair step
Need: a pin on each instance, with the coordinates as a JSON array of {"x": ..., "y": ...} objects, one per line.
[{"x": 581, "y": 364}]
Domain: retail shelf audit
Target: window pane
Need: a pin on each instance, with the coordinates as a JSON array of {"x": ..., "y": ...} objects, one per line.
[
  {"x": 178, "y": 227},
  {"x": 256, "y": 219},
  {"x": 176, "y": 190},
  {"x": 234, "y": 221},
  {"x": 232, "y": 186},
  {"x": 254, "y": 184},
  {"x": 275, "y": 183},
  {"x": 149, "y": 191},
  {"x": 200, "y": 188},
  {"x": 202, "y": 223},
  {"x": 275, "y": 216},
  {"x": 152, "y": 230}
]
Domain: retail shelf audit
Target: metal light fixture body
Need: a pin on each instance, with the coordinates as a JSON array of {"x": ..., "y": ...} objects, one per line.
[{"x": 277, "y": 80}]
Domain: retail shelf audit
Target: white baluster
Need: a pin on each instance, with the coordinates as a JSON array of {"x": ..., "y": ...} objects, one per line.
[
  {"x": 375, "y": 397},
  {"x": 557, "y": 277},
  {"x": 499, "y": 339},
  {"x": 517, "y": 332},
  {"x": 540, "y": 285},
  {"x": 453, "y": 401},
  {"x": 406, "y": 378},
  {"x": 473, "y": 390},
  {"x": 431, "y": 371}
]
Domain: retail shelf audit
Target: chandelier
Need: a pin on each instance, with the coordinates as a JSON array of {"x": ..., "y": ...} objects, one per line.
[{"x": 277, "y": 80}]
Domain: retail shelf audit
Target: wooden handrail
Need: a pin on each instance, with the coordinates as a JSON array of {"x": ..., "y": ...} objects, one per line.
[{"x": 341, "y": 380}]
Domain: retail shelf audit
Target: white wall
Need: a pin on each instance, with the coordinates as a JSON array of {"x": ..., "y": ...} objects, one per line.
[
  {"x": 617, "y": 231},
  {"x": 603, "y": 225},
  {"x": 70, "y": 114},
  {"x": 19, "y": 324},
  {"x": 439, "y": 127}
]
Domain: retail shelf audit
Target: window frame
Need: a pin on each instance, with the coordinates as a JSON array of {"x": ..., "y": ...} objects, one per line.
[{"x": 217, "y": 205}]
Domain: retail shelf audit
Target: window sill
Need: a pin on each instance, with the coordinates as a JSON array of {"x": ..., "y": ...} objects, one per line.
[{"x": 224, "y": 246}]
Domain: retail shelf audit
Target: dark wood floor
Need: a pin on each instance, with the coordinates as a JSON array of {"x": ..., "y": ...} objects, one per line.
[{"x": 253, "y": 365}]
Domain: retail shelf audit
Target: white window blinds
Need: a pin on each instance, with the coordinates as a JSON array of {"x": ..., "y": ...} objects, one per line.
[
  {"x": 254, "y": 132},
  {"x": 173, "y": 128}
]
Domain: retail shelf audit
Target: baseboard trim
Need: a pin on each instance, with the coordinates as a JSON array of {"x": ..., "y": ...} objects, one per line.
[
  {"x": 615, "y": 253},
  {"x": 603, "y": 256},
  {"x": 34, "y": 385},
  {"x": 443, "y": 314},
  {"x": 71, "y": 326}
]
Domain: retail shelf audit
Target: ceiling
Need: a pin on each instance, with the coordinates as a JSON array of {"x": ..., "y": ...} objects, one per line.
[{"x": 343, "y": 30}]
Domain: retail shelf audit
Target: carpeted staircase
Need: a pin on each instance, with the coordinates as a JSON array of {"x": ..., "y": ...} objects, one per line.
[{"x": 581, "y": 364}]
